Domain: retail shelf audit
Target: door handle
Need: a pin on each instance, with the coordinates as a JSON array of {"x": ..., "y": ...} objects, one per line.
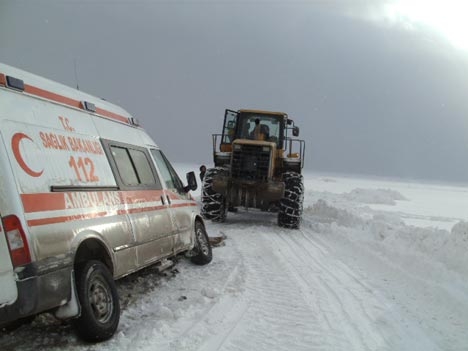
[
  {"x": 168, "y": 199},
  {"x": 162, "y": 200}
]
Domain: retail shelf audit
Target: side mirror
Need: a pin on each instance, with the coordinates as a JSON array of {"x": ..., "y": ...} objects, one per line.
[
  {"x": 191, "y": 181},
  {"x": 295, "y": 131}
]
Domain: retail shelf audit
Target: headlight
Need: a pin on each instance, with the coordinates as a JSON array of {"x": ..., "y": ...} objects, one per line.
[
  {"x": 266, "y": 149},
  {"x": 237, "y": 147}
]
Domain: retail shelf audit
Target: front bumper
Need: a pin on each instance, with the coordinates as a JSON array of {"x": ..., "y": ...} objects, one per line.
[{"x": 249, "y": 193}]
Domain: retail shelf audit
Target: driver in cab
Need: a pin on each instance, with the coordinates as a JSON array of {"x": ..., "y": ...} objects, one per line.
[{"x": 260, "y": 131}]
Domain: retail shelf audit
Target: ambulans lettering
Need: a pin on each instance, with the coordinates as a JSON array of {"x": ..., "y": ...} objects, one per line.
[{"x": 91, "y": 199}]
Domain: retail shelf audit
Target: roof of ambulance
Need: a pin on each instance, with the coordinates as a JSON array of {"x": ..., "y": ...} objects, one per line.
[{"x": 61, "y": 89}]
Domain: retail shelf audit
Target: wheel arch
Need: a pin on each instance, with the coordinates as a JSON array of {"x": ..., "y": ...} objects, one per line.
[
  {"x": 199, "y": 218},
  {"x": 93, "y": 248}
]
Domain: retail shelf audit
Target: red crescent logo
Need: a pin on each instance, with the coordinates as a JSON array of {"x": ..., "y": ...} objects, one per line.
[{"x": 15, "y": 145}]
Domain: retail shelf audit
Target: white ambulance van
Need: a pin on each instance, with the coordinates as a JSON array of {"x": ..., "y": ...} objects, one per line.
[{"x": 86, "y": 197}]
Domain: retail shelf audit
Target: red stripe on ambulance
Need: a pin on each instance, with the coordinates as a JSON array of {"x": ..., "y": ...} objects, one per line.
[
  {"x": 70, "y": 102},
  {"x": 45, "y": 202},
  {"x": 45, "y": 94},
  {"x": 62, "y": 219},
  {"x": 86, "y": 199}
]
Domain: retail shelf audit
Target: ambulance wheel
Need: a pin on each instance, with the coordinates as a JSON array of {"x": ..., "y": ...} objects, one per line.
[
  {"x": 99, "y": 300},
  {"x": 202, "y": 253}
]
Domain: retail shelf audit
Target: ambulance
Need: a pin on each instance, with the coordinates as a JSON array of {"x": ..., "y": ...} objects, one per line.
[{"x": 86, "y": 197}]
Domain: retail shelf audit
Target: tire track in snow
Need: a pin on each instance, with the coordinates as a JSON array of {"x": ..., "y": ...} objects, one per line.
[
  {"x": 334, "y": 285},
  {"x": 413, "y": 301},
  {"x": 217, "y": 321},
  {"x": 275, "y": 314},
  {"x": 362, "y": 312},
  {"x": 268, "y": 313}
]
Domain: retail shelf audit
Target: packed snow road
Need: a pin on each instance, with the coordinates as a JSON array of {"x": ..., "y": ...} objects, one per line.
[{"x": 356, "y": 276}]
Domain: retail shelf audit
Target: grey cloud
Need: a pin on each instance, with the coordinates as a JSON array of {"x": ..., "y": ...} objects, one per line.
[{"x": 369, "y": 99}]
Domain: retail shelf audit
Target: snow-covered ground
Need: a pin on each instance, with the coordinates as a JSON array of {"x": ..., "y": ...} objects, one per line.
[{"x": 376, "y": 265}]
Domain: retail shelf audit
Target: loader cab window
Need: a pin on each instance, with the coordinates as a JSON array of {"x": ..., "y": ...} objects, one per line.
[
  {"x": 168, "y": 174},
  {"x": 270, "y": 127},
  {"x": 229, "y": 127}
]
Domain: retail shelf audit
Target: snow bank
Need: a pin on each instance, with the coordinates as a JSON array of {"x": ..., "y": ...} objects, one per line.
[
  {"x": 322, "y": 212},
  {"x": 455, "y": 250},
  {"x": 387, "y": 234},
  {"x": 375, "y": 196},
  {"x": 460, "y": 235}
]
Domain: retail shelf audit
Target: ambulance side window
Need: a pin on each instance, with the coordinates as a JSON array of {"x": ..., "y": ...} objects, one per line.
[
  {"x": 124, "y": 166},
  {"x": 142, "y": 166},
  {"x": 132, "y": 166},
  {"x": 169, "y": 175}
]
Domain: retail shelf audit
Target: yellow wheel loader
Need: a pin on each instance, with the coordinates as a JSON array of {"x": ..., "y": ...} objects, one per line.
[{"x": 256, "y": 165}]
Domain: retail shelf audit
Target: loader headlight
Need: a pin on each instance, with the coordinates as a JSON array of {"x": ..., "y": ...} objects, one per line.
[
  {"x": 237, "y": 147},
  {"x": 266, "y": 149}
]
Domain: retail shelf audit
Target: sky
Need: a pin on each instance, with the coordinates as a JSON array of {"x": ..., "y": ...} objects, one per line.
[{"x": 376, "y": 87}]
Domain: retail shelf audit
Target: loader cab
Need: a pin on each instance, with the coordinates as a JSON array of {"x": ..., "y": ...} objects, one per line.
[{"x": 241, "y": 125}]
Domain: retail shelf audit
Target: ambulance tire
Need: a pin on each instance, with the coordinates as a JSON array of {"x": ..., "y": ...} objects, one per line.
[
  {"x": 99, "y": 300},
  {"x": 291, "y": 205},
  {"x": 213, "y": 203},
  {"x": 202, "y": 253}
]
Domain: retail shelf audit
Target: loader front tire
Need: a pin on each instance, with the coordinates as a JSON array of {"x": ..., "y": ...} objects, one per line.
[
  {"x": 213, "y": 203},
  {"x": 291, "y": 205}
]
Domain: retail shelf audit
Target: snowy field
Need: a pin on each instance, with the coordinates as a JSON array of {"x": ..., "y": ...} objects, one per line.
[{"x": 376, "y": 265}]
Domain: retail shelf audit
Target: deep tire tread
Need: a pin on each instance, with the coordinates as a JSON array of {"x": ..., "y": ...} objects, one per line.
[
  {"x": 291, "y": 205},
  {"x": 213, "y": 203}
]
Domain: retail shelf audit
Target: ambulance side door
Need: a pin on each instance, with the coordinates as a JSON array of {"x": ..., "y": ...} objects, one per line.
[
  {"x": 181, "y": 205},
  {"x": 146, "y": 206}
]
